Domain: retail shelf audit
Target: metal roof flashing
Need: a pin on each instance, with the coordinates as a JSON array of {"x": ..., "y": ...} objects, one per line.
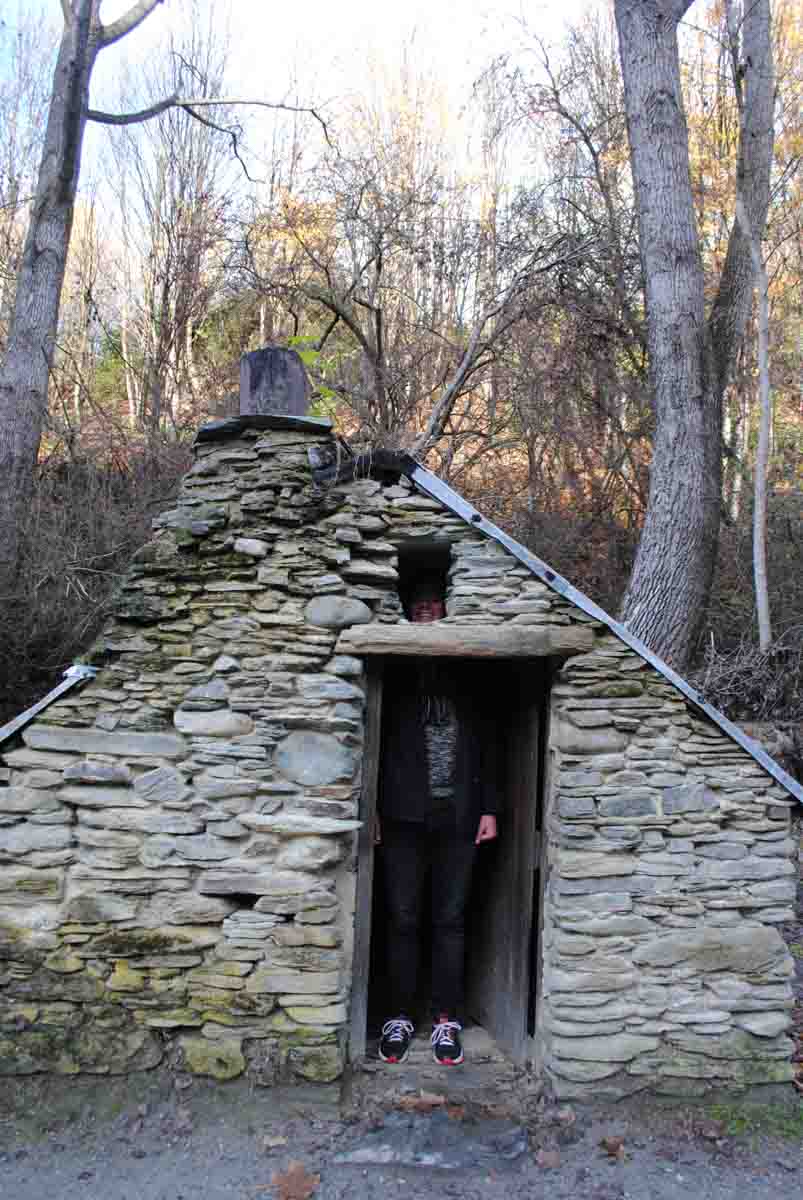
[
  {"x": 434, "y": 487},
  {"x": 77, "y": 673}
]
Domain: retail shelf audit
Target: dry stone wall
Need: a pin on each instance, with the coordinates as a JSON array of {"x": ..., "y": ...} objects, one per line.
[
  {"x": 177, "y": 838},
  {"x": 670, "y": 864}
]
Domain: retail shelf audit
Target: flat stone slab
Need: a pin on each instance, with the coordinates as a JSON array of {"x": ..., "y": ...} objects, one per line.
[
  {"x": 747, "y": 948},
  {"x": 228, "y": 427},
  {"x": 466, "y": 641},
  {"x": 289, "y": 824},
  {"x": 98, "y": 741},
  {"x": 438, "y": 1140},
  {"x": 257, "y": 883},
  {"x": 217, "y": 723}
]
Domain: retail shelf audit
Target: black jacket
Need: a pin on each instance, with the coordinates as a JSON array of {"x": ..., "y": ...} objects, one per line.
[{"x": 404, "y": 775}]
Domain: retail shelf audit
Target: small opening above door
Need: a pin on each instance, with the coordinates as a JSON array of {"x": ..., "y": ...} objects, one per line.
[{"x": 430, "y": 559}]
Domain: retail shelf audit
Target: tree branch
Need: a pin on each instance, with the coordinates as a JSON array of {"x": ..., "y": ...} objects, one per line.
[
  {"x": 232, "y": 133},
  {"x": 191, "y": 102},
  {"x": 330, "y": 328},
  {"x": 134, "y": 118},
  {"x": 754, "y": 87},
  {"x": 128, "y": 21}
]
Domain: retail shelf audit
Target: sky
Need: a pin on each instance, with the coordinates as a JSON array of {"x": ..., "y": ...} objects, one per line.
[
  {"x": 329, "y": 48},
  {"x": 321, "y": 52},
  {"x": 331, "y": 43}
]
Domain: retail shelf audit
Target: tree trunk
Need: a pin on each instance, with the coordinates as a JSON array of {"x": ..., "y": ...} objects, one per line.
[
  {"x": 32, "y": 334},
  {"x": 690, "y": 359},
  {"x": 672, "y": 574},
  {"x": 762, "y": 462},
  {"x": 749, "y": 43},
  {"x": 9, "y": 276}
]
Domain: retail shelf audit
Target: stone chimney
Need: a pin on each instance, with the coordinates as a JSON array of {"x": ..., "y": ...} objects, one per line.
[{"x": 273, "y": 381}]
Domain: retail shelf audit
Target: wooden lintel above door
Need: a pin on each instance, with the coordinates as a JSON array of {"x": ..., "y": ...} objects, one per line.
[{"x": 440, "y": 639}]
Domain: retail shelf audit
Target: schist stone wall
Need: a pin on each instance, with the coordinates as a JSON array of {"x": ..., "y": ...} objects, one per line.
[{"x": 177, "y": 838}]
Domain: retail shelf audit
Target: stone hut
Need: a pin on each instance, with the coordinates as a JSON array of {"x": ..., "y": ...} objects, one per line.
[{"x": 186, "y": 863}]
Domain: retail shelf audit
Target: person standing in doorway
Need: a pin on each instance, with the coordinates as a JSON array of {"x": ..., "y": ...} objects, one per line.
[{"x": 439, "y": 802}]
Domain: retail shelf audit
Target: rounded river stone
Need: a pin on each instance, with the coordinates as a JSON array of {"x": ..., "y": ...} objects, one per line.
[
  {"x": 335, "y": 612},
  {"x": 313, "y": 758}
]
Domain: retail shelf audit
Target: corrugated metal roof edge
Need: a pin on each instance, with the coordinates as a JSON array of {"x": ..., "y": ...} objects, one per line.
[
  {"x": 438, "y": 490},
  {"x": 77, "y": 673}
]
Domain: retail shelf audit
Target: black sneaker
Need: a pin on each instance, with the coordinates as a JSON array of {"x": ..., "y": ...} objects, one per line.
[
  {"x": 447, "y": 1048},
  {"x": 394, "y": 1044}
]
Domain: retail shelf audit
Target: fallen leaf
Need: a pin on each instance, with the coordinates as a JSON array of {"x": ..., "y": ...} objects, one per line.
[
  {"x": 295, "y": 1183},
  {"x": 456, "y": 1111},
  {"x": 614, "y": 1147},
  {"x": 548, "y": 1159},
  {"x": 712, "y": 1130},
  {"x": 423, "y": 1102},
  {"x": 270, "y": 1143}
]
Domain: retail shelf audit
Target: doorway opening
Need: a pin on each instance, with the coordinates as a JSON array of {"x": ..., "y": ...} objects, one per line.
[{"x": 502, "y": 953}]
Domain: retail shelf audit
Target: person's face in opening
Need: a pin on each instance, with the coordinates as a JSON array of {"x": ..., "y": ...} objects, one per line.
[{"x": 425, "y": 609}]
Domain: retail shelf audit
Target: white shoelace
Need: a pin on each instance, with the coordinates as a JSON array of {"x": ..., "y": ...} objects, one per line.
[
  {"x": 444, "y": 1033},
  {"x": 397, "y": 1029}
]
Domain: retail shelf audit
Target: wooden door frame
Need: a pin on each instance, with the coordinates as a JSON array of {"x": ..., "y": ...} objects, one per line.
[
  {"x": 535, "y": 1041},
  {"x": 361, "y": 955},
  {"x": 361, "y": 960},
  {"x": 505, "y": 929}
]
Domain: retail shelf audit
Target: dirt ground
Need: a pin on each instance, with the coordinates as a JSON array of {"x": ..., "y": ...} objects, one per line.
[
  {"x": 418, "y": 1131},
  {"x": 148, "y": 1139}
]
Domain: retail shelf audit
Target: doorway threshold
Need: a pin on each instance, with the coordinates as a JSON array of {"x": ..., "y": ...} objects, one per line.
[{"x": 487, "y": 1083}]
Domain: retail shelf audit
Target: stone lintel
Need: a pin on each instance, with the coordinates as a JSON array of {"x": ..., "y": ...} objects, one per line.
[
  {"x": 229, "y": 427},
  {"x": 466, "y": 641}
]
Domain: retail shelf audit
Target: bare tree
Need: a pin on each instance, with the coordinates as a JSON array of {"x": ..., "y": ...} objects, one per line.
[
  {"x": 691, "y": 353},
  {"x": 405, "y": 273},
  {"x": 25, "y": 68},
  {"x": 174, "y": 197},
  {"x": 32, "y": 332}
]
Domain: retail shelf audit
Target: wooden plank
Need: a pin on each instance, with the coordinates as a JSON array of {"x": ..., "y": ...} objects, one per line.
[
  {"x": 361, "y": 960},
  {"x": 536, "y": 1046},
  {"x": 501, "y": 936},
  {"x": 467, "y": 641}
]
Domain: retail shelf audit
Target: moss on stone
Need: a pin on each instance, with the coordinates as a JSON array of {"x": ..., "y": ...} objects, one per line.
[
  {"x": 171, "y": 1018},
  {"x": 132, "y": 943},
  {"x": 15, "y": 946},
  {"x": 221, "y": 1059},
  {"x": 49, "y": 985},
  {"x": 124, "y": 979},
  {"x": 108, "y": 1016},
  {"x": 322, "y": 1064},
  {"x": 63, "y": 962},
  {"x": 14, "y": 1017}
]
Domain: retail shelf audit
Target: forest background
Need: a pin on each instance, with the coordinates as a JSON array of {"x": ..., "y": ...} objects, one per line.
[{"x": 454, "y": 253}]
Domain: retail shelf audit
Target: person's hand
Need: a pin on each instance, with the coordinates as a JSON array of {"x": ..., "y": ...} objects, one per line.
[
  {"x": 377, "y": 830},
  {"x": 486, "y": 830}
]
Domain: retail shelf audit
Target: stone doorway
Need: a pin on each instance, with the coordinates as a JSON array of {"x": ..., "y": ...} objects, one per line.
[{"x": 503, "y": 931}]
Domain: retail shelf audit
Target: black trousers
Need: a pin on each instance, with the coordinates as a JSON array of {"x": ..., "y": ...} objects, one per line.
[{"x": 415, "y": 855}]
